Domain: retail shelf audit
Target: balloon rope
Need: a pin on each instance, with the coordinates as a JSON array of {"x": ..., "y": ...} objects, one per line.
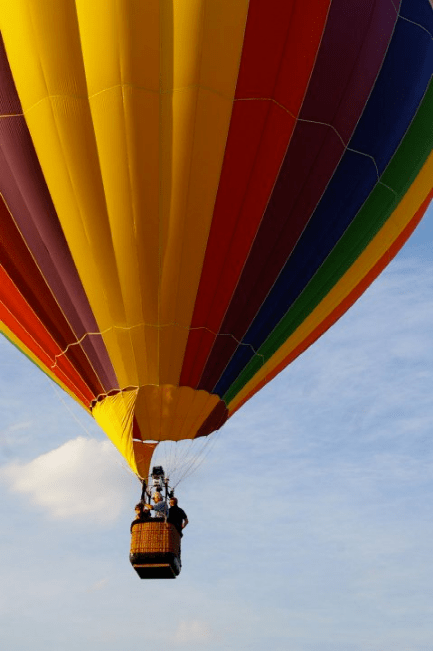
[
  {"x": 160, "y": 326},
  {"x": 196, "y": 462},
  {"x": 124, "y": 467},
  {"x": 70, "y": 410}
]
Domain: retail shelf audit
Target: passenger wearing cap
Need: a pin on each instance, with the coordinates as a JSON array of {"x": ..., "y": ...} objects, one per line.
[{"x": 140, "y": 515}]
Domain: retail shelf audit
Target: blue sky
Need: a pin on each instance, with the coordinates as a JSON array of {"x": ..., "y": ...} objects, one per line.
[{"x": 310, "y": 519}]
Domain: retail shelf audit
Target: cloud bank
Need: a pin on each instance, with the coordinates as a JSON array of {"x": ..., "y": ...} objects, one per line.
[{"x": 79, "y": 479}]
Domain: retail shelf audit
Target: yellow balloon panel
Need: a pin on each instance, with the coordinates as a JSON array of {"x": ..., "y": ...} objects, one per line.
[
  {"x": 129, "y": 104},
  {"x": 115, "y": 415}
]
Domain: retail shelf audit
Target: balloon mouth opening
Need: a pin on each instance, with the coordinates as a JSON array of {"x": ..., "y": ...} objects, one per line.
[
  {"x": 137, "y": 419},
  {"x": 163, "y": 412}
]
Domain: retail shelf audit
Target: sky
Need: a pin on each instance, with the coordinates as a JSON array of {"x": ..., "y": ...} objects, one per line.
[{"x": 310, "y": 519}]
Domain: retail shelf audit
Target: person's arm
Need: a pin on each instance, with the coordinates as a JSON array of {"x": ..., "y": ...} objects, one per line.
[{"x": 184, "y": 522}]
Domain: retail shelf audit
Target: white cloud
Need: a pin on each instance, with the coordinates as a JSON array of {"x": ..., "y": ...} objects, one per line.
[
  {"x": 99, "y": 585},
  {"x": 79, "y": 480},
  {"x": 192, "y": 632}
]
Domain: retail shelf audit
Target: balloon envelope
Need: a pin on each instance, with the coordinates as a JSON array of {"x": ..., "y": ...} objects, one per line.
[{"x": 193, "y": 192}]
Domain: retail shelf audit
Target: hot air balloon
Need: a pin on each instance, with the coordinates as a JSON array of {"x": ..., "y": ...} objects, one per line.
[{"x": 194, "y": 191}]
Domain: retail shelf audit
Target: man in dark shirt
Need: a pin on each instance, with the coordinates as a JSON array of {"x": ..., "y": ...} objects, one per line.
[{"x": 177, "y": 516}]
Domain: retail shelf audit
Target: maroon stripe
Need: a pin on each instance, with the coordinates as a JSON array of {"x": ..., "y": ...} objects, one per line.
[
  {"x": 343, "y": 79},
  {"x": 351, "y": 53},
  {"x": 214, "y": 421},
  {"x": 24, "y": 273},
  {"x": 27, "y": 197}
]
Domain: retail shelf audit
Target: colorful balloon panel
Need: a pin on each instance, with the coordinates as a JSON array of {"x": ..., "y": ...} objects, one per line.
[{"x": 193, "y": 192}]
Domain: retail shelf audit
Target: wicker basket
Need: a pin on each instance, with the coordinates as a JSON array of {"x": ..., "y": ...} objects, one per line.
[
  {"x": 155, "y": 536},
  {"x": 155, "y": 550}
]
